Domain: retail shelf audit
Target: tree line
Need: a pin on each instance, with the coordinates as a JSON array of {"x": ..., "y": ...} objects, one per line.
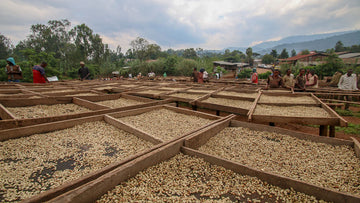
[{"x": 63, "y": 47}]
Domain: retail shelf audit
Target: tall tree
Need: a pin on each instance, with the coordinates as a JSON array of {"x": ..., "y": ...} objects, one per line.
[
  {"x": 293, "y": 53},
  {"x": 190, "y": 53},
  {"x": 274, "y": 53},
  {"x": 268, "y": 59},
  {"x": 249, "y": 54},
  {"x": 139, "y": 47},
  {"x": 284, "y": 54},
  {"x": 339, "y": 46},
  {"x": 153, "y": 51},
  {"x": 5, "y": 47}
]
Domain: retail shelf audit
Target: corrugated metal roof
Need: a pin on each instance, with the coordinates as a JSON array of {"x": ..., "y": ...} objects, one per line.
[
  {"x": 225, "y": 63},
  {"x": 349, "y": 55},
  {"x": 297, "y": 57}
]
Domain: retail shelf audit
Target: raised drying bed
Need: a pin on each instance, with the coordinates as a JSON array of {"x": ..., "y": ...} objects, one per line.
[
  {"x": 10, "y": 121},
  {"x": 43, "y": 157},
  {"x": 225, "y": 103},
  {"x": 314, "y": 114},
  {"x": 327, "y": 168},
  {"x": 164, "y": 123}
]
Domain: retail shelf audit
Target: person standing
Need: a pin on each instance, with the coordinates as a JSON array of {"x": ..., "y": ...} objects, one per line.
[
  {"x": 348, "y": 83},
  {"x": 313, "y": 80},
  {"x": 206, "y": 76},
  {"x": 39, "y": 73},
  {"x": 254, "y": 77},
  {"x": 201, "y": 76},
  {"x": 13, "y": 71},
  {"x": 83, "y": 72},
  {"x": 300, "y": 80},
  {"x": 288, "y": 79},
  {"x": 274, "y": 81},
  {"x": 335, "y": 79},
  {"x": 308, "y": 75},
  {"x": 195, "y": 75}
]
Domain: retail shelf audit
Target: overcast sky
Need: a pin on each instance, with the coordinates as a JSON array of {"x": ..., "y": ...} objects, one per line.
[{"x": 208, "y": 24}]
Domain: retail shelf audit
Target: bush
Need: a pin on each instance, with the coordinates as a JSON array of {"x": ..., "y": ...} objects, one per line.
[
  {"x": 246, "y": 73},
  {"x": 264, "y": 75}
]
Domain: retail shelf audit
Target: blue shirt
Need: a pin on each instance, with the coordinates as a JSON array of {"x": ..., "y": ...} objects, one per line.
[{"x": 40, "y": 69}]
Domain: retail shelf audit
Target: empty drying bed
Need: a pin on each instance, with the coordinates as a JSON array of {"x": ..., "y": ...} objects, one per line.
[
  {"x": 321, "y": 164},
  {"x": 30, "y": 165},
  {"x": 189, "y": 179}
]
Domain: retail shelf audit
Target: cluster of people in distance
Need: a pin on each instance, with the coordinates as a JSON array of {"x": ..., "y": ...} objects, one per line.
[
  {"x": 14, "y": 72},
  {"x": 304, "y": 81},
  {"x": 200, "y": 76}
]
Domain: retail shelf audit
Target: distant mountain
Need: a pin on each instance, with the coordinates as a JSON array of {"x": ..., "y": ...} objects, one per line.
[
  {"x": 319, "y": 42},
  {"x": 348, "y": 39}
]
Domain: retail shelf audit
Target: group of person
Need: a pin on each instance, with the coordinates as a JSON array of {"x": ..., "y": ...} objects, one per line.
[
  {"x": 308, "y": 80},
  {"x": 200, "y": 76},
  {"x": 14, "y": 72}
]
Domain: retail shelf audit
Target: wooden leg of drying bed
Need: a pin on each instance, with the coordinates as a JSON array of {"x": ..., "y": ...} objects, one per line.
[
  {"x": 332, "y": 131},
  {"x": 323, "y": 130}
]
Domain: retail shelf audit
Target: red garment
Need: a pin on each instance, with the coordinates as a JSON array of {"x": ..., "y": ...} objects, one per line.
[
  {"x": 201, "y": 77},
  {"x": 37, "y": 77},
  {"x": 254, "y": 78}
]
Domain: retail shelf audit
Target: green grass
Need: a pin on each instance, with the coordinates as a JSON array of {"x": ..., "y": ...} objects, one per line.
[
  {"x": 353, "y": 129},
  {"x": 342, "y": 112}
]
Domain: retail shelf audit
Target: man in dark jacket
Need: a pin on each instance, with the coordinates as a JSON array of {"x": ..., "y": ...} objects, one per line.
[{"x": 83, "y": 71}]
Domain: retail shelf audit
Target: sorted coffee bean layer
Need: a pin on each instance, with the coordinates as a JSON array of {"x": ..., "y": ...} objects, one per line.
[
  {"x": 286, "y": 99},
  {"x": 200, "y": 91},
  {"x": 324, "y": 165},
  {"x": 122, "y": 102},
  {"x": 153, "y": 92},
  {"x": 30, "y": 165},
  {"x": 239, "y": 94},
  {"x": 40, "y": 111},
  {"x": 165, "y": 124},
  {"x": 84, "y": 94},
  {"x": 243, "y": 104},
  {"x": 291, "y": 111},
  {"x": 187, "y": 96},
  {"x": 189, "y": 179}
]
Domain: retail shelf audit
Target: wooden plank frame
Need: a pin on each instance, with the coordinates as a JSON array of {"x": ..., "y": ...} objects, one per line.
[
  {"x": 79, "y": 189},
  {"x": 182, "y": 99},
  {"x": 236, "y": 110},
  {"x": 7, "y": 124},
  {"x": 277, "y": 180},
  {"x": 317, "y": 103},
  {"x": 196, "y": 140},
  {"x": 343, "y": 122}
]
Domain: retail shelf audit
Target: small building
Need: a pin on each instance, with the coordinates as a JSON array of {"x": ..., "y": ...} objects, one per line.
[
  {"x": 232, "y": 68},
  {"x": 350, "y": 58},
  {"x": 311, "y": 59}
]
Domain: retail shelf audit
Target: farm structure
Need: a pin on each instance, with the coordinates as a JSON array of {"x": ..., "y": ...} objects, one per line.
[{"x": 151, "y": 141}]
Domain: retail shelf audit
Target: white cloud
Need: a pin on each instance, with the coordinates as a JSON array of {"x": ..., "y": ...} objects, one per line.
[{"x": 209, "y": 24}]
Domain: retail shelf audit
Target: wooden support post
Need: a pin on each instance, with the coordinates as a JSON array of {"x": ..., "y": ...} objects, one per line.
[
  {"x": 332, "y": 131},
  {"x": 323, "y": 130},
  {"x": 217, "y": 112}
]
